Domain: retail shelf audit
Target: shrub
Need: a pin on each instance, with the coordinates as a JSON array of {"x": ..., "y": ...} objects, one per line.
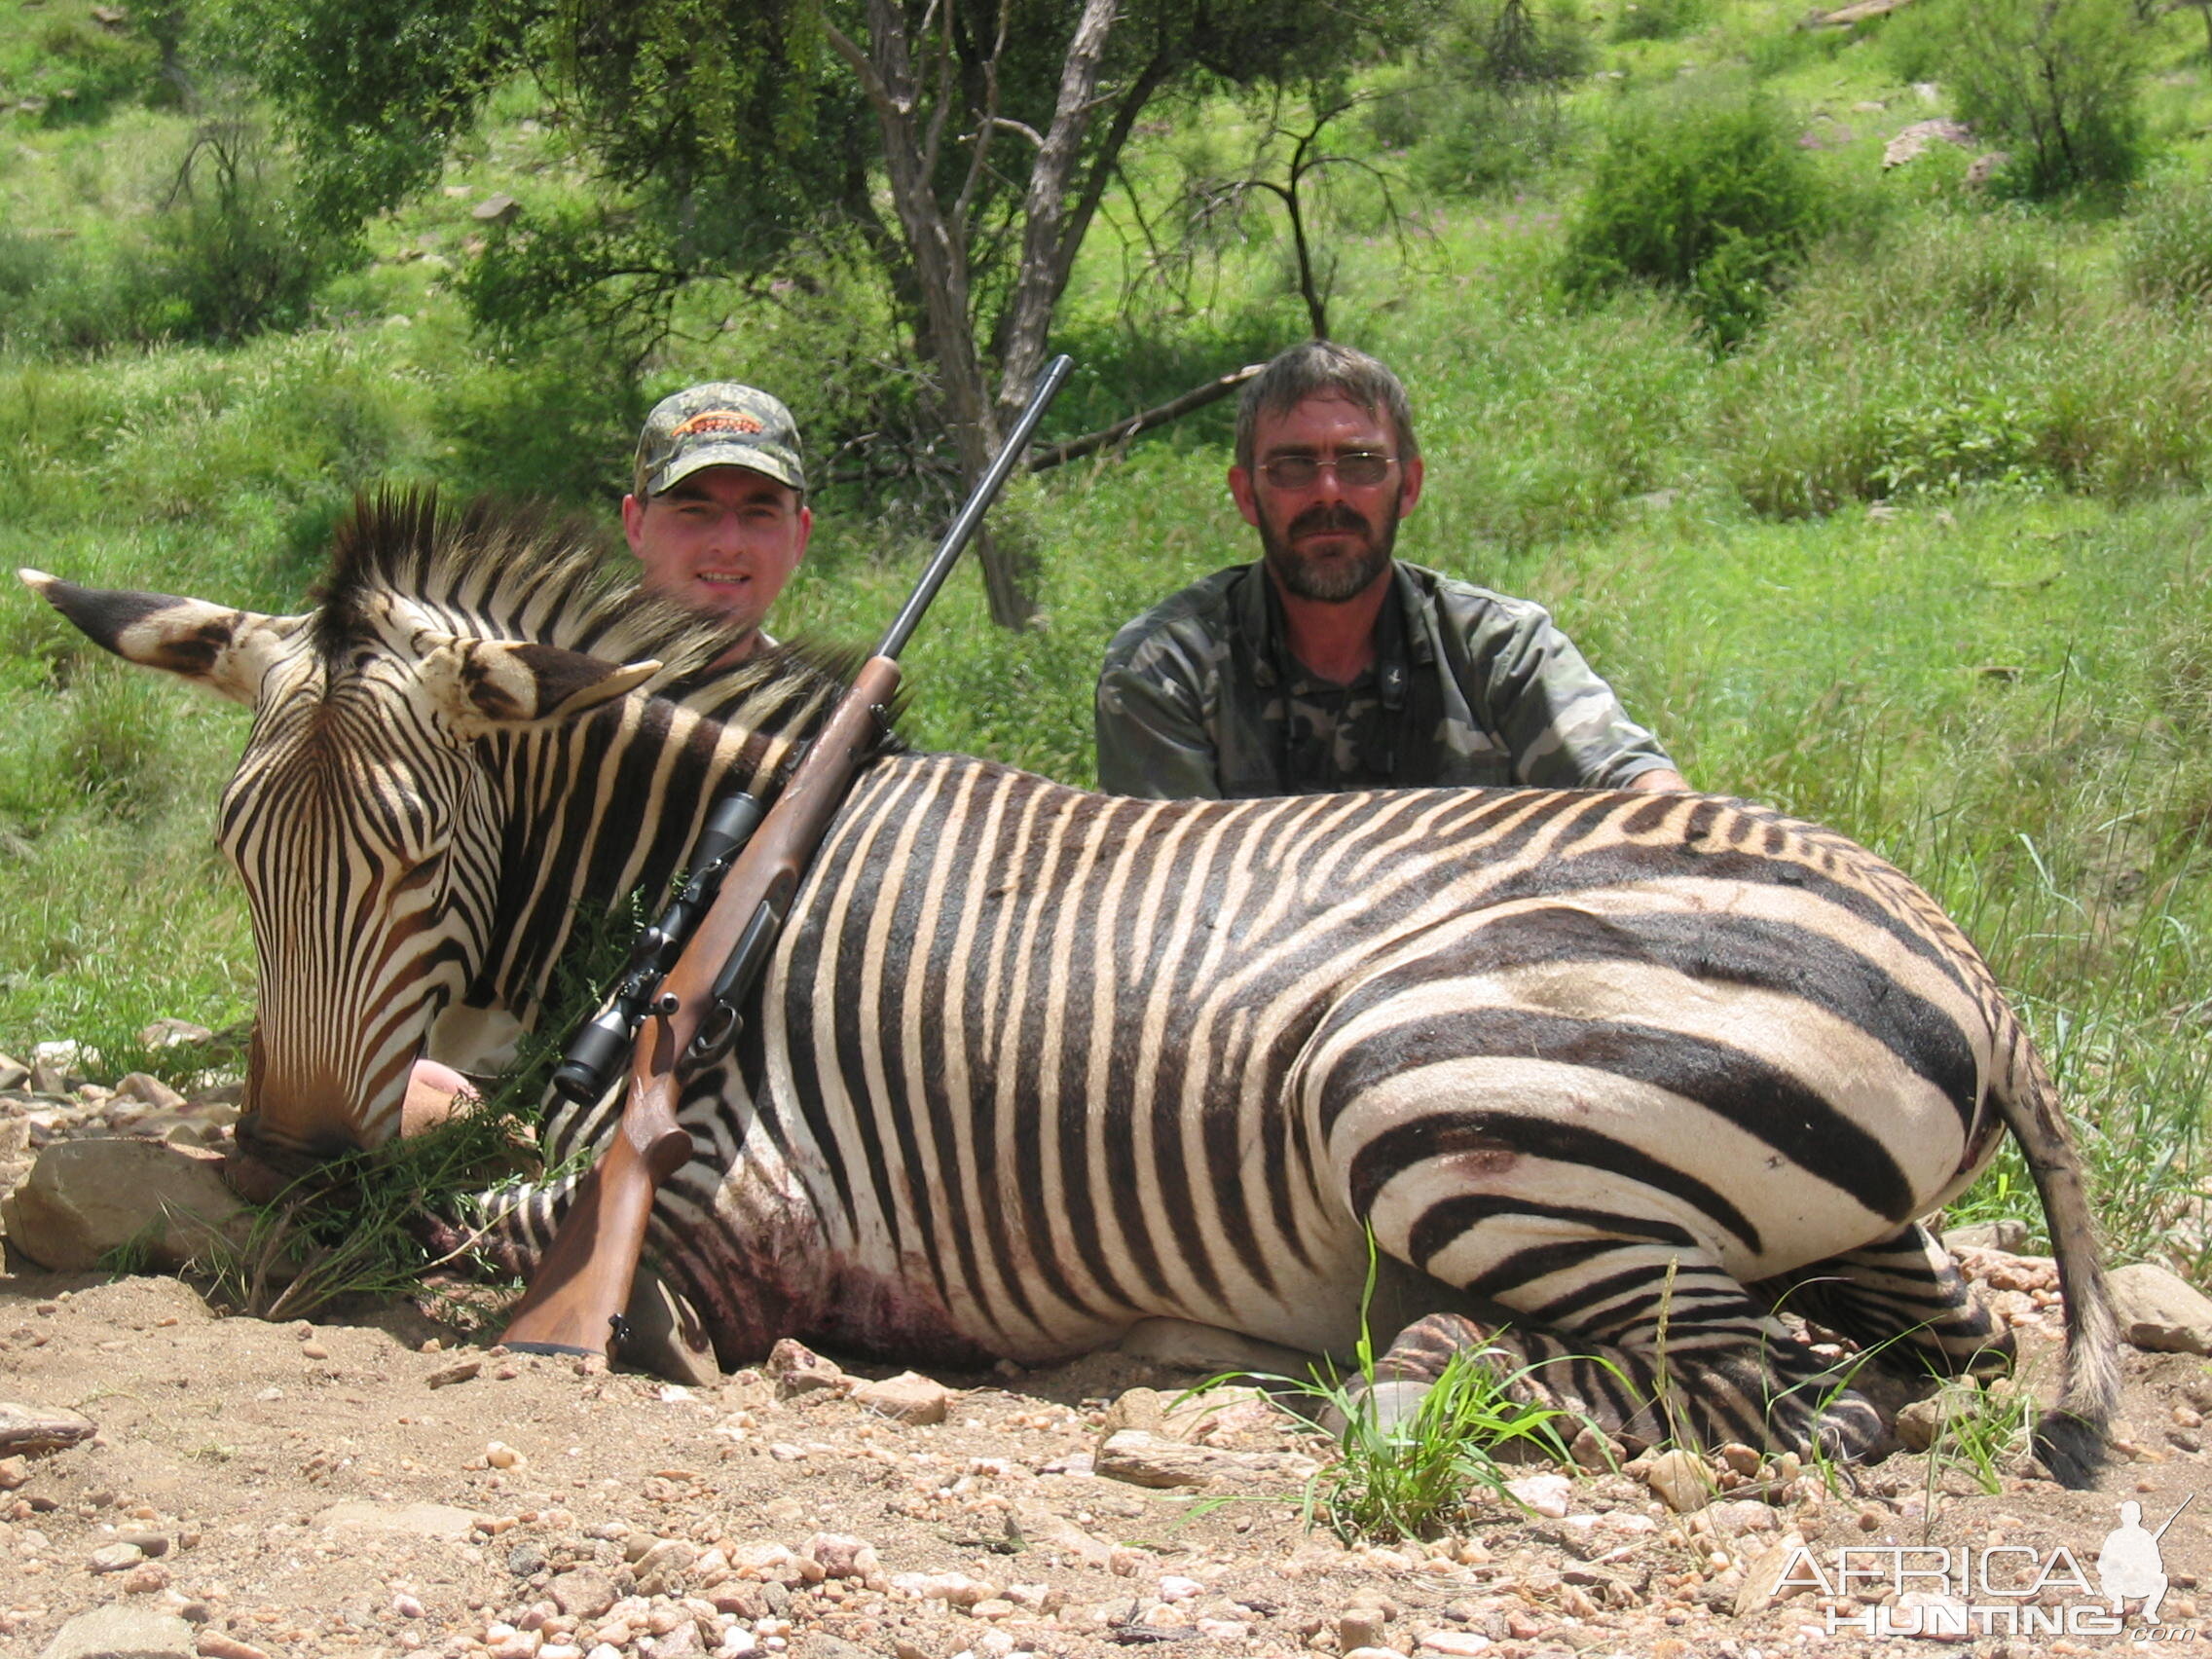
[
  {"x": 2054, "y": 82},
  {"x": 226, "y": 256},
  {"x": 1710, "y": 197},
  {"x": 2168, "y": 254},
  {"x": 26, "y": 265},
  {"x": 219, "y": 257},
  {"x": 1656, "y": 20}
]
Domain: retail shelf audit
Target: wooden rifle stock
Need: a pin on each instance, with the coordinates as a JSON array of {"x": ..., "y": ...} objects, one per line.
[{"x": 583, "y": 1283}]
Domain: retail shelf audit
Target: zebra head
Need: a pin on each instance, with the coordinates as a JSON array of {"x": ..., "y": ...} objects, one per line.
[{"x": 365, "y": 819}]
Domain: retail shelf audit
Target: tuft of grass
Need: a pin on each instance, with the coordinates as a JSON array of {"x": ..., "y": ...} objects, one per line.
[
  {"x": 353, "y": 1231},
  {"x": 1983, "y": 1431},
  {"x": 1419, "y": 1476}
]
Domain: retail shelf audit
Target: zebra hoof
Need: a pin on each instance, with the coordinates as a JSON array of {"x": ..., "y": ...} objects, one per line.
[
  {"x": 1390, "y": 1403},
  {"x": 1851, "y": 1430}
]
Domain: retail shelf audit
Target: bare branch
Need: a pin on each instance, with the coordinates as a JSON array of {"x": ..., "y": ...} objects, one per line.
[
  {"x": 1010, "y": 124},
  {"x": 1197, "y": 397},
  {"x": 988, "y": 125},
  {"x": 863, "y": 70}
]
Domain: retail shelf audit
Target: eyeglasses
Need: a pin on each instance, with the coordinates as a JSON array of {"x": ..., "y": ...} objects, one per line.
[{"x": 1359, "y": 468}]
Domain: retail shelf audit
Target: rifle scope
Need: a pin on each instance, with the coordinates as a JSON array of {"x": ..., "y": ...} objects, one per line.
[{"x": 600, "y": 1050}]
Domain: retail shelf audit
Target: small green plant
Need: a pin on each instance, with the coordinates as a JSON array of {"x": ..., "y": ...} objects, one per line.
[
  {"x": 1656, "y": 20},
  {"x": 1706, "y": 195},
  {"x": 1990, "y": 440},
  {"x": 1417, "y": 1477},
  {"x": 134, "y": 1255},
  {"x": 1981, "y": 1429}
]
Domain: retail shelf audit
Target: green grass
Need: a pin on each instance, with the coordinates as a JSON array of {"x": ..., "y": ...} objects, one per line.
[
  {"x": 1983, "y": 1431},
  {"x": 2001, "y": 679},
  {"x": 352, "y": 1230},
  {"x": 1422, "y": 1474},
  {"x": 1421, "y": 1477}
]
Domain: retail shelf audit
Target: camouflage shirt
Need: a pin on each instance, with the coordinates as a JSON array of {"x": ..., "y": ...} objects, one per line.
[{"x": 1201, "y": 697}]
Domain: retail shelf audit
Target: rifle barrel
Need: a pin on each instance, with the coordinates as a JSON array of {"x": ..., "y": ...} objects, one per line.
[{"x": 979, "y": 504}]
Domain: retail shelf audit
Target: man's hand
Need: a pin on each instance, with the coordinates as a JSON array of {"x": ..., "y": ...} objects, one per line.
[
  {"x": 434, "y": 1092},
  {"x": 1659, "y": 780}
]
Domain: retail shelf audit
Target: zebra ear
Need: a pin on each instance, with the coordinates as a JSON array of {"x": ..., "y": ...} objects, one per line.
[
  {"x": 228, "y": 652},
  {"x": 483, "y": 685}
]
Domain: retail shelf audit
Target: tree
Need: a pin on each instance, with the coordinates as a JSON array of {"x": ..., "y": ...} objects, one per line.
[
  {"x": 724, "y": 137},
  {"x": 2056, "y": 81}
]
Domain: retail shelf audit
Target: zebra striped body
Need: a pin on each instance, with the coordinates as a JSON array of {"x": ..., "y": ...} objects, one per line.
[
  {"x": 1607, "y": 1074},
  {"x": 1050, "y": 1062}
]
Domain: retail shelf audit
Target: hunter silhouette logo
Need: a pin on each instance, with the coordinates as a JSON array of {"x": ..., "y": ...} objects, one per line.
[{"x": 2130, "y": 1565}]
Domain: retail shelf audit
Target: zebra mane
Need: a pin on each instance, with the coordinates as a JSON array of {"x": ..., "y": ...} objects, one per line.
[{"x": 504, "y": 570}]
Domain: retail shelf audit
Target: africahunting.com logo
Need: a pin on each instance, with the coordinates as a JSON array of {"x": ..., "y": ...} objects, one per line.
[{"x": 2013, "y": 1590}]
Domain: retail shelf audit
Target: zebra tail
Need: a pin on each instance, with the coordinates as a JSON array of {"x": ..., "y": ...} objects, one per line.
[{"x": 2073, "y": 1438}]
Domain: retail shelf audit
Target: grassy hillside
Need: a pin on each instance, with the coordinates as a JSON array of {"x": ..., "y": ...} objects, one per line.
[{"x": 1925, "y": 557}]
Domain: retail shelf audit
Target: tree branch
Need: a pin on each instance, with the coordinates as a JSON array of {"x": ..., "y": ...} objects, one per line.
[
  {"x": 1197, "y": 397},
  {"x": 873, "y": 85}
]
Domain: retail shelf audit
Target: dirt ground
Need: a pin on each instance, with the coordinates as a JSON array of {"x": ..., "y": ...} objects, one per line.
[{"x": 378, "y": 1484}]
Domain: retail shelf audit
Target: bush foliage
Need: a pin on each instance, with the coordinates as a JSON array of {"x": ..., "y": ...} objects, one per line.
[
  {"x": 2054, "y": 82},
  {"x": 1706, "y": 196}
]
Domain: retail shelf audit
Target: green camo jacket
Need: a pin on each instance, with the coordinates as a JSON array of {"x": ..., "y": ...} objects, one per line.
[{"x": 1199, "y": 698}]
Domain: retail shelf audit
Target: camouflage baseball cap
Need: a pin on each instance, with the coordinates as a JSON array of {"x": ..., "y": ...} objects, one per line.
[{"x": 717, "y": 424}]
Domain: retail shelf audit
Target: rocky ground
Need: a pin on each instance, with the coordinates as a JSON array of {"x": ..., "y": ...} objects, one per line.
[{"x": 384, "y": 1482}]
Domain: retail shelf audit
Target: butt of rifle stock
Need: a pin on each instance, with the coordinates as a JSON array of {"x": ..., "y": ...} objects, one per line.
[{"x": 583, "y": 1283}]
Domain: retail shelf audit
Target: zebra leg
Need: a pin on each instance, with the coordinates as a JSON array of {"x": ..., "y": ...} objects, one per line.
[
  {"x": 1655, "y": 1351},
  {"x": 1903, "y": 1301}
]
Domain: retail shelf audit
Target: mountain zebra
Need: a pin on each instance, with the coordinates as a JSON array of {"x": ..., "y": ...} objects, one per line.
[{"x": 1608, "y": 1076}]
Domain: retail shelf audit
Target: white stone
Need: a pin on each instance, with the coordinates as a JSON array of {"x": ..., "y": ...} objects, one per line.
[
  {"x": 908, "y": 1398},
  {"x": 84, "y": 1199},
  {"x": 1456, "y": 1643},
  {"x": 1548, "y": 1495},
  {"x": 1940, "y": 1618},
  {"x": 1680, "y": 1481},
  {"x": 1148, "y": 1460},
  {"x": 1763, "y": 1572}
]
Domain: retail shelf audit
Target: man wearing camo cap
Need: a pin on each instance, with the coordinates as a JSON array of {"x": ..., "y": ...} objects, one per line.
[
  {"x": 1329, "y": 664},
  {"x": 718, "y": 517},
  {"x": 716, "y": 513}
]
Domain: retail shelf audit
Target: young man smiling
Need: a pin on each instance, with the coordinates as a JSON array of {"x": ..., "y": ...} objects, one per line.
[
  {"x": 717, "y": 513},
  {"x": 718, "y": 518},
  {"x": 1330, "y": 664}
]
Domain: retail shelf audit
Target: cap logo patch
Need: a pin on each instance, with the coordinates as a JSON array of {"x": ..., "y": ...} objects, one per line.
[{"x": 717, "y": 421}]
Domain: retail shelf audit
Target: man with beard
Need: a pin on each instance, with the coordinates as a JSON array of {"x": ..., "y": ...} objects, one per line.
[{"x": 1331, "y": 665}]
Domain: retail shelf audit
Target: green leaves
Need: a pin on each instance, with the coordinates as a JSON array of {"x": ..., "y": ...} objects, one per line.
[{"x": 1706, "y": 195}]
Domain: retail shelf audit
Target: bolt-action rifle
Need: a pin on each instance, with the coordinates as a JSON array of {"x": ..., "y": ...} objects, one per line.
[{"x": 679, "y": 1002}]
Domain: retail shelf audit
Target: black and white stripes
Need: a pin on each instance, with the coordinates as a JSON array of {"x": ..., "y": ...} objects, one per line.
[{"x": 1608, "y": 1076}]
